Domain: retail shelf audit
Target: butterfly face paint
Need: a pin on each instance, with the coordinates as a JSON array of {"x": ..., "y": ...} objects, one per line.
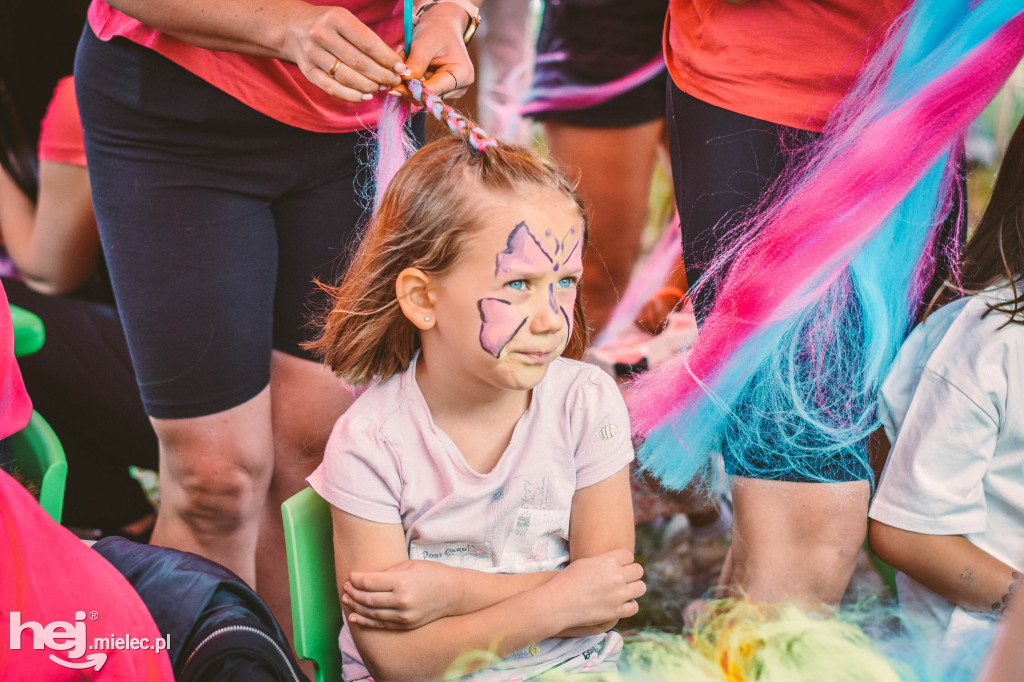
[{"x": 533, "y": 259}]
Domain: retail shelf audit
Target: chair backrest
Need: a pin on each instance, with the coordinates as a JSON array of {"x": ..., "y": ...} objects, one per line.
[
  {"x": 29, "y": 334},
  {"x": 39, "y": 458},
  {"x": 316, "y": 608}
]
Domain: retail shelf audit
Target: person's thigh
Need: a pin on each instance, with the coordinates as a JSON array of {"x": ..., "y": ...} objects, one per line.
[
  {"x": 317, "y": 224},
  {"x": 796, "y": 540},
  {"x": 722, "y": 162}
]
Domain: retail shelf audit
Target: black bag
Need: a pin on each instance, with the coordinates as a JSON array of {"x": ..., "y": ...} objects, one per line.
[{"x": 219, "y": 628}]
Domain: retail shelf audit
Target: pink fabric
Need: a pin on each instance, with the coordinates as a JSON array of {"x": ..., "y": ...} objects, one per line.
[
  {"x": 272, "y": 87},
  {"x": 15, "y": 406},
  {"x": 60, "y": 136},
  {"x": 49, "y": 577}
]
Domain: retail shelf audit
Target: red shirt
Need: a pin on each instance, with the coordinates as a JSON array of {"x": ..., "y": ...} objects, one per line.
[
  {"x": 270, "y": 86},
  {"x": 60, "y": 133},
  {"x": 783, "y": 61}
]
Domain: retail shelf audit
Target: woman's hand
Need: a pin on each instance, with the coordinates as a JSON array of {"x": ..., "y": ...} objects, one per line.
[
  {"x": 341, "y": 55},
  {"x": 598, "y": 590},
  {"x": 438, "y": 55},
  {"x": 404, "y": 597}
]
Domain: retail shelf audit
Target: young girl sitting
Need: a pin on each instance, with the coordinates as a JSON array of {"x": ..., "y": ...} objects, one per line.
[
  {"x": 949, "y": 510},
  {"x": 480, "y": 487}
]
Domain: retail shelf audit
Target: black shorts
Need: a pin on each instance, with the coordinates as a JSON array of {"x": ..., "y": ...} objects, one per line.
[
  {"x": 215, "y": 220},
  {"x": 588, "y": 45}
]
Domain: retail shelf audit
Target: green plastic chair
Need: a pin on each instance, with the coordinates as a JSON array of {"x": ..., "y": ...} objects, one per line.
[
  {"x": 38, "y": 454},
  {"x": 39, "y": 458},
  {"x": 316, "y": 608}
]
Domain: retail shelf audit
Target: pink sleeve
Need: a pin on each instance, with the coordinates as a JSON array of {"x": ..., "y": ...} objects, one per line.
[
  {"x": 15, "y": 406},
  {"x": 60, "y": 135},
  {"x": 600, "y": 425},
  {"x": 359, "y": 473}
]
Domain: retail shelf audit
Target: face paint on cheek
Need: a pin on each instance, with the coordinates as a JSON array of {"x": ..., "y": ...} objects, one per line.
[{"x": 499, "y": 322}]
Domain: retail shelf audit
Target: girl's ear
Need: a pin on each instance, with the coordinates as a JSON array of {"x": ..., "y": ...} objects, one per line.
[{"x": 413, "y": 290}]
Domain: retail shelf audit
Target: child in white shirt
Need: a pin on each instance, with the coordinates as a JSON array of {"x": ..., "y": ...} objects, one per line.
[
  {"x": 480, "y": 484},
  {"x": 949, "y": 510}
]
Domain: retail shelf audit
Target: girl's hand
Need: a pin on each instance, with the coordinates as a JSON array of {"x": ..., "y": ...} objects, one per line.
[
  {"x": 404, "y": 597},
  {"x": 320, "y": 39},
  {"x": 599, "y": 590},
  {"x": 438, "y": 55}
]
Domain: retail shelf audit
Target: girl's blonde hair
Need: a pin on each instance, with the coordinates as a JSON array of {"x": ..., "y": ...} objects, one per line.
[{"x": 422, "y": 222}]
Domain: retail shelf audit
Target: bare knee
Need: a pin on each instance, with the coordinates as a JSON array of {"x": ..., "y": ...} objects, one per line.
[
  {"x": 215, "y": 472},
  {"x": 220, "y": 499}
]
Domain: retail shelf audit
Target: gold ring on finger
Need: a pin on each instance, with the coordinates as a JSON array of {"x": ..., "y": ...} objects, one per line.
[{"x": 334, "y": 68}]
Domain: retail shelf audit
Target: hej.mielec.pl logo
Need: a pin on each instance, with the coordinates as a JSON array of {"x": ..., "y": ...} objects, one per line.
[{"x": 72, "y": 638}]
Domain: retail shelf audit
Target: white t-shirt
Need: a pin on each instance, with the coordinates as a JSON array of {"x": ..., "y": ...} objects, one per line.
[
  {"x": 953, "y": 406},
  {"x": 387, "y": 462}
]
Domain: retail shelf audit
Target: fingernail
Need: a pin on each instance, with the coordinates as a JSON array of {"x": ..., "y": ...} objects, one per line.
[
  {"x": 382, "y": 88},
  {"x": 345, "y": 599},
  {"x": 367, "y": 96},
  {"x": 394, "y": 93},
  {"x": 407, "y": 73},
  {"x": 401, "y": 69}
]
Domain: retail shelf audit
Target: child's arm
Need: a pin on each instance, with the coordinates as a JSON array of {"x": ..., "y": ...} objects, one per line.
[
  {"x": 949, "y": 565},
  {"x": 413, "y": 593},
  {"x": 593, "y": 590}
]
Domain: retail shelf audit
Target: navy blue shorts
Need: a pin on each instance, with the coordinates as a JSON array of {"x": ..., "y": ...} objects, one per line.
[
  {"x": 215, "y": 220},
  {"x": 590, "y": 43}
]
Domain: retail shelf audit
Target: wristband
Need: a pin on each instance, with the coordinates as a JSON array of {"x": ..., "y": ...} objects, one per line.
[{"x": 472, "y": 10}]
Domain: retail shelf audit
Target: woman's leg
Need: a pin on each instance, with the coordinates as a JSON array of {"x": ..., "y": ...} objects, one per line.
[
  {"x": 306, "y": 400},
  {"x": 215, "y": 472},
  {"x": 796, "y": 540}
]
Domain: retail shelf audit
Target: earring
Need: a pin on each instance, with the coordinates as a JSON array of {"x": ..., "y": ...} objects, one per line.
[{"x": 426, "y": 318}]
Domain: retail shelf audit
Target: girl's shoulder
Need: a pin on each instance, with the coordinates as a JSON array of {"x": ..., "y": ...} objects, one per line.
[{"x": 379, "y": 403}]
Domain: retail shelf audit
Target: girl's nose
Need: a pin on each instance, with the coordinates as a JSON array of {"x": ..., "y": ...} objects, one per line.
[{"x": 547, "y": 314}]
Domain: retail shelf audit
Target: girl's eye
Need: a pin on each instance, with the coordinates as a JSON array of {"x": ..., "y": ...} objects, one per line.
[
  {"x": 518, "y": 284},
  {"x": 566, "y": 282}
]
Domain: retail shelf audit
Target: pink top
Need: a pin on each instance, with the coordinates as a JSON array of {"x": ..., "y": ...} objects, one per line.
[
  {"x": 60, "y": 134},
  {"x": 67, "y": 600},
  {"x": 270, "y": 86},
  {"x": 15, "y": 406}
]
